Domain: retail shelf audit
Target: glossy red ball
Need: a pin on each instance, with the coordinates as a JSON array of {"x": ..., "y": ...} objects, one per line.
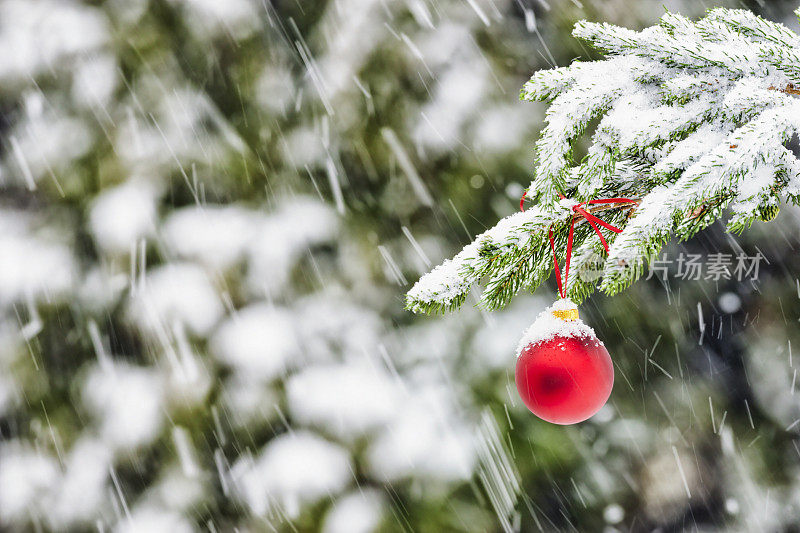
[{"x": 565, "y": 380}]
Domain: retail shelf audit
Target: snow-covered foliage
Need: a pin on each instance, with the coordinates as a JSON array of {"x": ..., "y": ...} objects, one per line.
[
  {"x": 176, "y": 304},
  {"x": 689, "y": 118},
  {"x": 209, "y": 211}
]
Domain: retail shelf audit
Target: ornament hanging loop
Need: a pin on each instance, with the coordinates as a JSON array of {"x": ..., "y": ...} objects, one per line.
[{"x": 595, "y": 222}]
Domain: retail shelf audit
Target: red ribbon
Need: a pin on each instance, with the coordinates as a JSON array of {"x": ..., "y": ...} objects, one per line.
[{"x": 593, "y": 221}]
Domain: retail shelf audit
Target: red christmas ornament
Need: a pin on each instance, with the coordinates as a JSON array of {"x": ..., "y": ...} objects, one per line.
[{"x": 564, "y": 374}]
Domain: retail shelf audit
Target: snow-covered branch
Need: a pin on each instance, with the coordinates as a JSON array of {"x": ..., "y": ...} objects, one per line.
[{"x": 691, "y": 117}]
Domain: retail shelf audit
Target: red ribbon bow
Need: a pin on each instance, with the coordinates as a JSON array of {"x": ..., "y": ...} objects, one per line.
[{"x": 593, "y": 221}]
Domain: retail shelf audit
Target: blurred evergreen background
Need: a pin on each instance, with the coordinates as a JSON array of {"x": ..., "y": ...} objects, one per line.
[{"x": 210, "y": 212}]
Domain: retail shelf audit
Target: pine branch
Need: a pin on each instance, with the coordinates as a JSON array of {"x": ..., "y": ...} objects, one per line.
[{"x": 693, "y": 120}]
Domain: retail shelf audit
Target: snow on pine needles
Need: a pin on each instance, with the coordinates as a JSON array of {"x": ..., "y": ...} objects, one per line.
[{"x": 691, "y": 118}]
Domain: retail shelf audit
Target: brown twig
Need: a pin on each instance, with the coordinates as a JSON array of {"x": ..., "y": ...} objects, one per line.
[
  {"x": 604, "y": 207},
  {"x": 789, "y": 89}
]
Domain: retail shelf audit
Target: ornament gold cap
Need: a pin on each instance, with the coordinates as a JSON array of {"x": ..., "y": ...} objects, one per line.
[{"x": 567, "y": 315}]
